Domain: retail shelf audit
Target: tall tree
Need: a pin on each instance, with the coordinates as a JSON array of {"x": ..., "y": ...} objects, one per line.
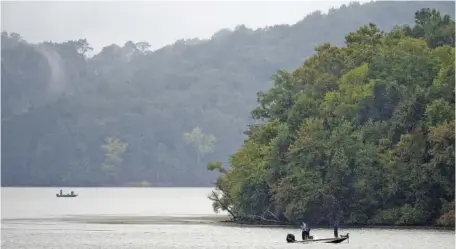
[
  {"x": 203, "y": 143},
  {"x": 113, "y": 149}
]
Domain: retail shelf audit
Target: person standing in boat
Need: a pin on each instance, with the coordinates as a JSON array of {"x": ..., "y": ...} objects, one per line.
[
  {"x": 305, "y": 231},
  {"x": 336, "y": 229}
]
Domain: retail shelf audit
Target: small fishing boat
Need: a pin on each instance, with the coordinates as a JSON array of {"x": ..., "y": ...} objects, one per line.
[
  {"x": 72, "y": 194},
  {"x": 325, "y": 240},
  {"x": 291, "y": 239}
]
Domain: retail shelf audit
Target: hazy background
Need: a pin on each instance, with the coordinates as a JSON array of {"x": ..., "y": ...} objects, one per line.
[
  {"x": 157, "y": 22},
  {"x": 132, "y": 117}
]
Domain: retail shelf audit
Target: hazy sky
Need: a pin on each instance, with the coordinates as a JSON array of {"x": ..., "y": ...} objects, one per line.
[{"x": 158, "y": 22}]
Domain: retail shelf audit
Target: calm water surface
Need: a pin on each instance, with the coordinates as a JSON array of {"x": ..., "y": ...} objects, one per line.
[{"x": 162, "y": 218}]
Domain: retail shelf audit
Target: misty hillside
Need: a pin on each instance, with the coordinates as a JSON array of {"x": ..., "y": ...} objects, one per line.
[{"x": 130, "y": 116}]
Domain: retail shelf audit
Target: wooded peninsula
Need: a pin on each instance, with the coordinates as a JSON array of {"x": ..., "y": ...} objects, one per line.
[{"x": 360, "y": 134}]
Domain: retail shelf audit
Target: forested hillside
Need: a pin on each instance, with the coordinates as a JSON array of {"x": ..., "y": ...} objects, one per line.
[
  {"x": 361, "y": 134},
  {"x": 129, "y": 115}
]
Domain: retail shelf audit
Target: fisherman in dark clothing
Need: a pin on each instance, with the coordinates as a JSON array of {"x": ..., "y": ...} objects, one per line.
[{"x": 336, "y": 229}]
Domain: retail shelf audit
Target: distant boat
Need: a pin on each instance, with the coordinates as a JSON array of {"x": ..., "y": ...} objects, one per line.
[{"x": 72, "y": 194}]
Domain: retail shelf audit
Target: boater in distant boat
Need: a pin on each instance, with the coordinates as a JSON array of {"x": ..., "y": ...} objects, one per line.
[{"x": 71, "y": 194}]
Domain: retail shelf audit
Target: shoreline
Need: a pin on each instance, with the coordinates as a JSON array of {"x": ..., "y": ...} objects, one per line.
[
  {"x": 218, "y": 220},
  {"x": 347, "y": 226}
]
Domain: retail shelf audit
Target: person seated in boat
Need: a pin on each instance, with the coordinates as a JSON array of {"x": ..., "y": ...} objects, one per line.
[
  {"x": 72, "y": 192},
  {"x": 60, "y": 192}
]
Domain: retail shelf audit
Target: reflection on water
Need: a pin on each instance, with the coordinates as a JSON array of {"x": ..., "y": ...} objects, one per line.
[{"x": 162, "y": 218}]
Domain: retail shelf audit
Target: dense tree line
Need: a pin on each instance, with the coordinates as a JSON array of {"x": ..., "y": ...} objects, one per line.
[
  {"x": 361, "y": 134},
  {"x": 129, "y": 115}
]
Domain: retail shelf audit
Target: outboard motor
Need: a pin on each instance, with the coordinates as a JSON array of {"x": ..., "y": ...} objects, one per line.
[{"x": 290, "y": 238}]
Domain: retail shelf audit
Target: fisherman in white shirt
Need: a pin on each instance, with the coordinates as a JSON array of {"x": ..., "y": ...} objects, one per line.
[{"x": 305, "y": 231}]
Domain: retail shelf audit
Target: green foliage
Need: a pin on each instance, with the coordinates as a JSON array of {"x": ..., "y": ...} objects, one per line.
[
  {"x": 216, "y": 166},
  {"x": 58, "y": 104},
  {"x": 113, "y": 150},
  {"x": 362, "y": 134},
  {"x": 203, "y": 143}
]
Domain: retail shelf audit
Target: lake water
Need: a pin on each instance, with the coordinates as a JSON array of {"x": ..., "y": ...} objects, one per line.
[{"x": 163, "y": 218}]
